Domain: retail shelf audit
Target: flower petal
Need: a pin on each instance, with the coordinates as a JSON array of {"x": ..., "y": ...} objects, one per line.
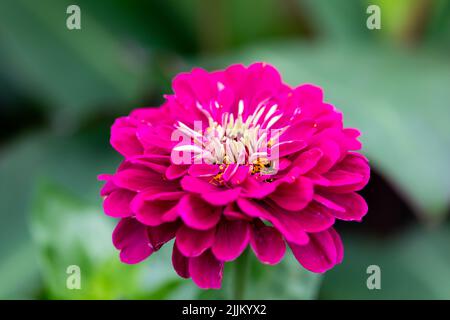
[
  {"x": 320, "y": 254},
  {"x": 175, "y": 171},
  {"x": 117, "y": 203},
  {"x": 231, "y": 239},
  {"x": 203, "y": 170},
  {"x": 180, "y": 263},
  {"x": 136, "y": 179},
  {"x": 161, "y": 234},
  {"x": 198, "y": 214},
  {"x": 315, "y": 218},
  {"x": 354, "y": 205},
  {"x": 124, "y": 139},
  {"x": 130, "y": 237},
  {"x": 155, "y": 209},
  {"x": 221, "y": 198},
  {"x": 206, "y": 271},
  {"x": 294, "y": 196},
  {"x": 192, "y": 243},
  {"x": 267, "y": 243}
]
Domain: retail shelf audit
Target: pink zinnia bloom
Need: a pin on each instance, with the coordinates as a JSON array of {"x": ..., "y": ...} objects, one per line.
[{"x": 263, "y": 165}]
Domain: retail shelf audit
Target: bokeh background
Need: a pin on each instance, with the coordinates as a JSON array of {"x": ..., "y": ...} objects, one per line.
[{"x": 60, "y": 91}]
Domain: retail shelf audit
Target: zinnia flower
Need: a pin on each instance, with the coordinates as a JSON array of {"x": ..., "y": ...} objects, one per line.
[{"x": 235, "y": 158}]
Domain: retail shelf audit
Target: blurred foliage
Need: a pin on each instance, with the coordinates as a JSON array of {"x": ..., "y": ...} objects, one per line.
[
  {"x": 413, "y": 266},
  {"x": 60, "y": 91}
]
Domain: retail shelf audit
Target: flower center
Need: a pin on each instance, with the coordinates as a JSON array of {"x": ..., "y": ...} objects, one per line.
[{"x": 233, "y": 140}]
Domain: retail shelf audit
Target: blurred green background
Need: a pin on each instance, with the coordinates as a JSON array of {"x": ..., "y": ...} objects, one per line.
[{"x": 61, "y": 89}]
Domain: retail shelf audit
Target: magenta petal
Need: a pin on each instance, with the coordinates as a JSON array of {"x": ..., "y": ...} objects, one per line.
[
  {"x": 221, "y": 198},
  {"x": 289, "y": 224},
  {"x": 124, "y": 140},
  {"x": 252, "y": 188},
  {"x": 175, "y": 171},
  {"x": 157, "y": 209},
  {"x": 338, "y": 244},
  {"x": 286, "y": 148},
  {"x": 320, "y": 254},
  {"x": 136, "y": 179},
  {"x": 130, "y": 237},
  {"x": 198, "y": 214},
  {"x": 294, "y": 196},
  {"x": 203, "y": 170},
  {"x": 233, "y": 212},
  {"x": 117, "y": 203},
  {"x": 161, "y": 234},
  {"x": 232, "y": 237},
  {"x": 353, "y": 165},
  {"x": 307, "y": 160},
  {"x": 252, "y": 208},
  {"x": 193, "y": 242},
  {"x": 206, "y": 271},
  {"x": 340, "y": 178},
  {"x": 330, "y": 155},
  {"x": 180, "y": 263},
  {"x": 197, "y": 185},
  {"x": 354, "y": 205},
  {"x": 315, "y": 218},
  {"x": 235, "y": 174},
  {"x": 267, "y": 243}
]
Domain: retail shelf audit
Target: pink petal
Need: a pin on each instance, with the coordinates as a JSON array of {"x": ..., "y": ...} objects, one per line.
[
  {"x": 253, "y": 208},
  {"x": 315, "y": 218},
  {"x": 267, "y": 243},
  {"x": 330, "y": 155},
  {"x": 231, "y": 239},
  {"x": 287, "y": 223},
  {"x": 328, "y": 203},
  {"x": 232, "y": 211},
  {"x": 155, "y": 209},
  {"x": 192, "y": 243},
  {"x": 136, "y": 179},
  {"x": 352, "y": 164},
  {"x": 197, "y": 185},
  {"x": 252, "y": 188},
  {"x": 286, "y": 148},
  {"x": 300, "y": 130},
  {"x": 235, "y": 174},
  {"x": 161, "y": 234},
  {"x": 221, "y": 198},
  {"x": 355, "y": 207},
  {"x": 307, "y": 160},
  {"x": 130, "y": 237},
  {"x": 180, "y": 263},
  {"x": 206, "y": 271},
  {"x": 117, "y": 203},
  {"x": 339, "y": 245},
  {"x": 320, "y": 254},
  {"x": 203, "y": 170},
  {"x": 124, "y": 140},
  {"x": 175, "y": 171},
  {"x": 198, "y": 214},
  {"x": 294, "y": 196}
]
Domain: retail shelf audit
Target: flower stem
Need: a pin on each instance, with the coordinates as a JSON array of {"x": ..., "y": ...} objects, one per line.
[{"x": 240, "y": 277}]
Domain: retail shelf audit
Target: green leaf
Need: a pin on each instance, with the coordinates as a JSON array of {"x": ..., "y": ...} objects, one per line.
[
  {"x": 397, "y": 100},
  {"x": 68, "y": 232},
  {"x": 72, "y": 71},
  {"x": 413, "y": 266}
]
